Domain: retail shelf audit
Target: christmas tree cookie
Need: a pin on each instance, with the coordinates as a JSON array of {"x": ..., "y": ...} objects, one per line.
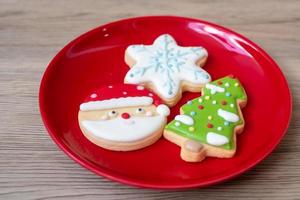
[{"x": 207, "y": 126}]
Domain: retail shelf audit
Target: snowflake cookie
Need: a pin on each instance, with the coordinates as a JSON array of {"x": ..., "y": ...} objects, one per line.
[
  {"x": 207, "y": 126},
  {"x": 166, "y": 68}
]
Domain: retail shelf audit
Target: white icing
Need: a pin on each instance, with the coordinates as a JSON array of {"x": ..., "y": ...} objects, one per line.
[
  {"x": 214, "y": 88},
  {"x": 228, "y": 116},
  {"x": 163, "y": 110},
  {"x": 140, "y": 110},
  {"x": 112, "y": 113},
  {"x": 185, "y": 119},
  {"x": 124, "y": 130},
  {"x": 116, "y": 103},
  {"x": 166, "y": 65},
  {"x": 216, "y": 139}
]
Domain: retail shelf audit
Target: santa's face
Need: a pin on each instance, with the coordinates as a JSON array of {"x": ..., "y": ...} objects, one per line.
[{"x": 123, "y": 124}]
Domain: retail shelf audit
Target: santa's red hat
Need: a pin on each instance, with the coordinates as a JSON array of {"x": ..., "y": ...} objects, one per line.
[{"x": 118, "y": 96}]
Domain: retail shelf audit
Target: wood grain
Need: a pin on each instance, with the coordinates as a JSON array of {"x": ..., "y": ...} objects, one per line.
[{"x": 31, "y": 33}]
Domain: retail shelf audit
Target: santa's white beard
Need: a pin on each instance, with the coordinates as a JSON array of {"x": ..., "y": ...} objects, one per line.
[{"x": 124, "y": 130}]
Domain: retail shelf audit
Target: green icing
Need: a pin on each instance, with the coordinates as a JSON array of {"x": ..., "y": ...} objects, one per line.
[{"x": 233, "y": 91}]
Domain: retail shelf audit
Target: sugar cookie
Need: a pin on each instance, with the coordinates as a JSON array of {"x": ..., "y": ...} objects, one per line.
[
  {"x": 166, "y": 68},
  {"x": 207, "y": 126},
  {"x": 123, "y": 117}
]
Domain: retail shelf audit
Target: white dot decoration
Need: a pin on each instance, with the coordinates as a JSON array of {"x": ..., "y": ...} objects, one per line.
[
  {"x": 219, "y": 128},
  {"x": 231, "y": 105},
  {"x": 124, "y": 93},
  {"x": 140, "y": 87},
  {"x": 236, "y": 84},
  {"x": 214, "y": 102},
  {"x": 177, "y": 123},
  {"x": 200, "y": 100},
  {"x": 227, "y": 85},
  {"x": 150, "y": 94},
  {"x": 110, "y": 86},
  {"x": 93, "y": 95},
  {"x": 207, "y": 97}
]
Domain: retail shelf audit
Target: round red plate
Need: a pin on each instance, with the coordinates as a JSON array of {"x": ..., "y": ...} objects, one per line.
[{"x": 96, "y": 59}]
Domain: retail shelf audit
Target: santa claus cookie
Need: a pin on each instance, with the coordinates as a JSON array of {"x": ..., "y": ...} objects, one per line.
[
  {"x": 123, "y": 117},
  {"x": 207, "y": 126},
  {"x": 166, "y": 68}
]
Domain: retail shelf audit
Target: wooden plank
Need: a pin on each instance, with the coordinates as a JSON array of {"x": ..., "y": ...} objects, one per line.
[{"x": 31, "y": 33}]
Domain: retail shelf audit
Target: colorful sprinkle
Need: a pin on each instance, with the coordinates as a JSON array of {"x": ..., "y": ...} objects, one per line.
[
  {"x": 226, "y": 123},
  {"x": 201, "y": 107},
  {"x": 209, "y": 117},
  {"x": 200, "y": 100},
  {"x": 223, "y": 102},
  {"x": 219, "y": 83},
  {"x": 209, "y": 125},
  {"x": 192, "y": 113},
  {"x": 236, "y": 84},
  {"x": 219, "y": 128},
  {"x": 232, "y": 105},
  {"x": 189, "y": 102},
  {"x": 177, "y": 123},
  {"x": 214, "y": 102},
  {"x": 207, "y": 97},
  {"x": 227, "y": 84},
  {"x": 227, "y": 94},
  {"x": 191, "y": 129}
]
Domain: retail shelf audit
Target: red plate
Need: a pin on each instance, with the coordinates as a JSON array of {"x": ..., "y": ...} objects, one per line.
[{"x": 96, "y": 59}]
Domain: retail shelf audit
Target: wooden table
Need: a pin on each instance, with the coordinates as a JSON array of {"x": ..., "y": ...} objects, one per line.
[{"x": 31, "y": 33}]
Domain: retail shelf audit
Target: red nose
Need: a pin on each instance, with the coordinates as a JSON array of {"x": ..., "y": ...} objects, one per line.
[{"x": 125, "y": 115}]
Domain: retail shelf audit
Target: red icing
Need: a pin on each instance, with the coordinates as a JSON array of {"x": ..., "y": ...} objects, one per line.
[
  {"x": 201, "y": 107},
  {"x": 121, "y": 90},
  {"x": 209, "y": 125},
  {"x": 125, "y": 115}
]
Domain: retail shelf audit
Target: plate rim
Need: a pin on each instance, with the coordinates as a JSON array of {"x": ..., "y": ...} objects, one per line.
[{"x": 137, "y": 183}]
